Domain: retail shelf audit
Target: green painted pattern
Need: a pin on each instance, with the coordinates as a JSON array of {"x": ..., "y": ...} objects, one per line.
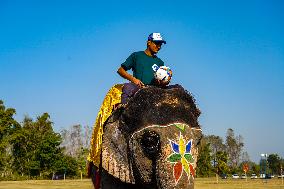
[
  {"x": 189, "y": 158},
  {"x": 174, "y": 158},
  {"x": 180, "y": 126}
]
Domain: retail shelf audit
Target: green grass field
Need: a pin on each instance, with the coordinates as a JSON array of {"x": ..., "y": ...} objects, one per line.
[
  {"x": 201, "y": 183},
  {"x": 211, "y": 183}
]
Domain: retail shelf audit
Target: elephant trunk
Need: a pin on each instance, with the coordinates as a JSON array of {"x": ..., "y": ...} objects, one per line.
[{"x": 164, "y": 180}]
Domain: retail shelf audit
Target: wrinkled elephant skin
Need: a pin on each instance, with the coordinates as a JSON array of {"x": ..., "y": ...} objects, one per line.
[{"x": 153, "y": 142}]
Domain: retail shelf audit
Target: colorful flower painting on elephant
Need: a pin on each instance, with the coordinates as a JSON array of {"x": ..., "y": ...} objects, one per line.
[{"x": 181, "y": 158}]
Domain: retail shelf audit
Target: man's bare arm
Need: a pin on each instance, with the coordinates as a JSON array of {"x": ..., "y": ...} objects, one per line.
[{"x": 121, "y": 71}]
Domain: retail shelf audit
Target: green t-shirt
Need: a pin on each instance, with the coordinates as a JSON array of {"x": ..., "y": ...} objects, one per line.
[{"x": 141, "y": 65}]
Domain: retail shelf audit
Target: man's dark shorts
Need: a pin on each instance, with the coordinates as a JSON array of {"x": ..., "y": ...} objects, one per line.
[{"x": 128, "y": 91}]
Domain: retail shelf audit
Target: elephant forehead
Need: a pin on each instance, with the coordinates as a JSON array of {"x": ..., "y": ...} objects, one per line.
[
  {"x": 174, "y": 137},
  {"x": 170, "y": 131}
]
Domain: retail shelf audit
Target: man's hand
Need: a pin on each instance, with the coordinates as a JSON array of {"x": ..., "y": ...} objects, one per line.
[
  {"x": 138, "y": 83},
  {"x": 129, "y": 77}
]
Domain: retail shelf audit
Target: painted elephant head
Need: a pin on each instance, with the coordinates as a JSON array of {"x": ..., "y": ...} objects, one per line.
[{"x": 152, "y": 143}]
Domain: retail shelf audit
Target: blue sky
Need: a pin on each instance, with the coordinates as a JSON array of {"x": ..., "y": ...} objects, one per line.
[{"x": 61, "y": 57}]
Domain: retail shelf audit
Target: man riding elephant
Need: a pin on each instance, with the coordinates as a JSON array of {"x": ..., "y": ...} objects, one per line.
[
  {"x": 151, "y": 140},
  {"x": 141, "y": 63}
]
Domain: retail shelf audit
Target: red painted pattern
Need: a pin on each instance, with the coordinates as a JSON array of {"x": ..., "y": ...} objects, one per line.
[
  {"x": 192, "y": 171},
  {"x": 177, "y": 171}
]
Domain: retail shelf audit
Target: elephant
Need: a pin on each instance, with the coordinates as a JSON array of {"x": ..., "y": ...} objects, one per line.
[{"x": 152, "y": 142}]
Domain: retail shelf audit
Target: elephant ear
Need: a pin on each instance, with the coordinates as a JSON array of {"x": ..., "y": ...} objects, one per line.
[{"x": 114, "y": 153}]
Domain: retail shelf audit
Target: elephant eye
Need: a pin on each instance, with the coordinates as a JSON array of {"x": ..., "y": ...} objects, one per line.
[{"x": 150, "y": 143}]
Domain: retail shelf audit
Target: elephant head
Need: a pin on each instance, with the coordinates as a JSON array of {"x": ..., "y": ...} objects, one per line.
[{"x": 152, "y": 143}]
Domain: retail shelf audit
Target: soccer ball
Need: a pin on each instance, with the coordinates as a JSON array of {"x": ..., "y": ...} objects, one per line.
[{"x": 163, "y": 73}]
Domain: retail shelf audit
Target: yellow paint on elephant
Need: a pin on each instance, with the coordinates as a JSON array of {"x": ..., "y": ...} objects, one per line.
[
  {"x": 181, "y": 146},
  {"x": 185, "y": 165},
  {"x": 113, "y": 97}
]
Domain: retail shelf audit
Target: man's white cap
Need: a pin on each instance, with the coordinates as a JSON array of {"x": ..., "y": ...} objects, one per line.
[{"x": 156, "y": 37}]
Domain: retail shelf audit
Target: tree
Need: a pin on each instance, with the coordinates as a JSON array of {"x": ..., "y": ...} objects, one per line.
[
  {"x": 20, "y": 151},
  {"x": 255, "y": 168},
  {"x": 72, "y": 140},
  {"x": 8, "y": 126},
  {"x": 7, "y": 123},
  {"x": 66, "y": 165},
  {"x": 34, "y": 149},
  {"x": 274, "y": 163},
  {"x": 76, "y": 142},
  {"x": 82, "y": 161},
  {"x": 234, "y": 147},
  {"x": 37, "y": 147},
  {"x": 216, "y": 143},
  {"x": 87, "y": 136},
  {"x": 245, "y": 157},
  {"x": 221, "y": 162},
  {"x": 216, "y": 146},
  {"x": 204, "y": 167}
]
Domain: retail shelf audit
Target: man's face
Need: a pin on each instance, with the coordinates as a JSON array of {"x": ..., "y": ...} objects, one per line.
[{"x": 154, "y": 46}]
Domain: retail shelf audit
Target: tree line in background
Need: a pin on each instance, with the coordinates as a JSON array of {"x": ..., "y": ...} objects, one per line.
[
  {"x": 228, "y": 157},
  {"x": 33, "y": 150}
]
